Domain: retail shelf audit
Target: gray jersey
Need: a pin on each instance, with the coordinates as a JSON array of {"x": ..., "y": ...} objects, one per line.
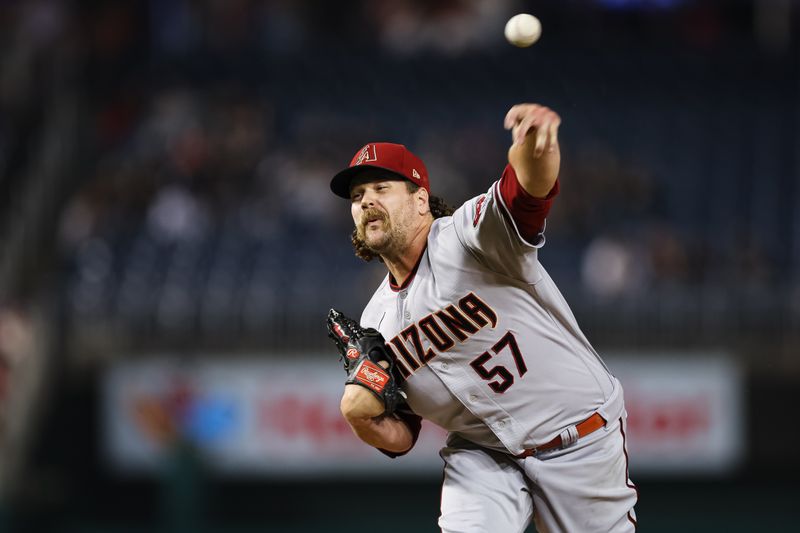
[{"x": 490, "y": 350}]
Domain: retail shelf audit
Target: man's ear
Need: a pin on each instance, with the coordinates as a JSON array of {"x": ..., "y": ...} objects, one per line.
[{"x": 422, "y": 198}]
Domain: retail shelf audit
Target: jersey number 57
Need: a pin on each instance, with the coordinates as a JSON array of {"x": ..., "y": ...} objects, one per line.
[{"x": 505, "y": 377}]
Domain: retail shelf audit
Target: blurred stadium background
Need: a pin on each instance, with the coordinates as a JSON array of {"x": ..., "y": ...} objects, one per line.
[{"x": 169, "y": 246}]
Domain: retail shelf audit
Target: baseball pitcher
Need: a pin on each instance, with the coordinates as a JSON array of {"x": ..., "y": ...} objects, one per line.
[{"x": 469, "y": 331}]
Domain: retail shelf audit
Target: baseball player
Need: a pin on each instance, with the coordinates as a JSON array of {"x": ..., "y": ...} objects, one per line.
[{"x": 469, "y": 331}]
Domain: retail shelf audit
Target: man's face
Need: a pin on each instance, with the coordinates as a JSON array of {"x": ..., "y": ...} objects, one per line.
[{"x": 383, "y": 211}]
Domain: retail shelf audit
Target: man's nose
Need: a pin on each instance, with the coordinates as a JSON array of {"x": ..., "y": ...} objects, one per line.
[{"x": 367, "y": 200}]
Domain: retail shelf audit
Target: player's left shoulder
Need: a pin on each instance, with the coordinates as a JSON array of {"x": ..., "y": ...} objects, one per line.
[
  {"x": 442, "y": 236},
  {"x": 438, "y": 226}
]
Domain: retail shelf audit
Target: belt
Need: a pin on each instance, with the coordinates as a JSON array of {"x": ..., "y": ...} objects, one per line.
[{"x": 590, "y": 425}]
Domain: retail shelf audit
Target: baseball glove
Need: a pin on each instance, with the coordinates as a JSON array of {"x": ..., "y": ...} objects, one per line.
[{"x": 362, "y": 350}]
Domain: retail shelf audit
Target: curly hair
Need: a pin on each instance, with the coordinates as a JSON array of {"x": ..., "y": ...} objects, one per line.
[{"x": 439, "y": 208}]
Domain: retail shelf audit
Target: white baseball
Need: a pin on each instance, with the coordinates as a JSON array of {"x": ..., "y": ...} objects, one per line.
[{"x": 523, "y": 30}]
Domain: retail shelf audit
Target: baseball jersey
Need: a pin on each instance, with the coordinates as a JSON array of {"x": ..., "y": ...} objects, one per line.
[{"x": 487, "y": 345}]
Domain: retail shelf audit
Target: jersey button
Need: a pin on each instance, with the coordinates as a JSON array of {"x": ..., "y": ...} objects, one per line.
[
  {"x": 473, "y": 397},
  {"x": 501, "y": 424},
  {"x": 445, "y": 366},
  {"x": 403, "y": 295},
  {"x": 407, "y": 315}
]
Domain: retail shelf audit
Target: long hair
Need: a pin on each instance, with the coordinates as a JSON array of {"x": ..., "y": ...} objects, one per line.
[{"x": 438, "y": 207}]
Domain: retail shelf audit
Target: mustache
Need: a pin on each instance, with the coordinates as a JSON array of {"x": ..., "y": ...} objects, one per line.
[
  {"x": 369, "y": 214},
  {"x": 372, "y": 214}
]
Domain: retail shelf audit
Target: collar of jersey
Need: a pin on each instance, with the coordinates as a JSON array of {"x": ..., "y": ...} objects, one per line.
[{"x": 393, "y": 284}]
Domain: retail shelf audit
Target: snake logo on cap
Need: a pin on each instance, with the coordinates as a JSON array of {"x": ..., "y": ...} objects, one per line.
[{"x": 364, "y": 155}]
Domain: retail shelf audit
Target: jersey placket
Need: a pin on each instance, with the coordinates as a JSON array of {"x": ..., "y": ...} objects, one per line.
[
  {"x": 403, "y": 313},
  {"x": 461, "y": 384}
]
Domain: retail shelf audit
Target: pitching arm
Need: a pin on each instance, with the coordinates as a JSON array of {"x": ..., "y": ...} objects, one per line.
[{"x": 534, "y": 153}]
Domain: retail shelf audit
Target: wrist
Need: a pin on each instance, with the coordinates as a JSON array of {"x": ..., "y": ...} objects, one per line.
[{"x": 359, "y": 404}]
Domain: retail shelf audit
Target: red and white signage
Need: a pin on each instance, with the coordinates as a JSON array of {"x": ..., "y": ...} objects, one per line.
[
  {"x": 279, "y": 416},
  {"x": 685, "y": 412},
  {"x": 275, "y": 417}
]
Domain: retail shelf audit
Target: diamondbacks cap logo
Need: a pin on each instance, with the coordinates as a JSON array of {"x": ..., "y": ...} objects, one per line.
[
  {"x": 352, "y": 353},
  {"x": 366, "y": 155},
  {"x": 372, "y": 376}
]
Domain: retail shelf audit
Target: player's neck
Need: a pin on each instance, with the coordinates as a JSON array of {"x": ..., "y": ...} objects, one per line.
[{"x": 402, "y": 263}]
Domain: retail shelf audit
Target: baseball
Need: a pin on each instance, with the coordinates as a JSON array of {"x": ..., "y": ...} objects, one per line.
[{"x": 523, "y": 30}]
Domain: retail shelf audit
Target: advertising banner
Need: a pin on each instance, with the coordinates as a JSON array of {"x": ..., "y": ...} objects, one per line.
[
  {"x": 685, "y": 412},
  {"x": 279, "y": 417}
]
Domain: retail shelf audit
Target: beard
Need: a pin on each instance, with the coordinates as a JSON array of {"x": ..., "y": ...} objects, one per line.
[{"x": 378, "y": 241}]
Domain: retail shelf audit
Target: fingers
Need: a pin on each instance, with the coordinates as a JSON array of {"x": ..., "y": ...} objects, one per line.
[
  {"x": 511, "y": 117},
  {"x": 517, "y": 112},
  {"x": 522, "y": 129},
  {"x": 546, "y": 124},
  {"x": 523, "y": 119},
  {"x": 553, "y": 132}
]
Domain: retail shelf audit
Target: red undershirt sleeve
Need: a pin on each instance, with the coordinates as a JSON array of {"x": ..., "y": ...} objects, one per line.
[
  {"x": 527, "y": 211},
  {"x": 414, "y": 423}
]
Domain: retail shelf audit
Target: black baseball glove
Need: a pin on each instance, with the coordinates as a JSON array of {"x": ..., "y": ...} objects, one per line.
[{"x": 362, "y": 350}]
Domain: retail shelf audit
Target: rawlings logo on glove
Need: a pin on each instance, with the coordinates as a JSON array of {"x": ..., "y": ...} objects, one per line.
[
  {"x": 372, "y": 376},
  {"x": 362, "y": 351}
]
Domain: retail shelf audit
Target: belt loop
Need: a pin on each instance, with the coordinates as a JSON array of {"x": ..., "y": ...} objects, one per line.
[{"x": 569, "y": 436}]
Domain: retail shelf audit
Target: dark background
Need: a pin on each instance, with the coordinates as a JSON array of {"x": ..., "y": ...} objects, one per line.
[{"x": 163, "y": 187}]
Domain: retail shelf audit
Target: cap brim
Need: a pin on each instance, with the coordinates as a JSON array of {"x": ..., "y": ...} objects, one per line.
[{"x": 340, "y": 183}]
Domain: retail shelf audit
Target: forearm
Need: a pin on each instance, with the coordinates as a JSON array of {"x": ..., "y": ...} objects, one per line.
[
  {"x": 364, "y": 412},
  {"x": 537, "y": 175},
  {"x": 385, "y": 432}
]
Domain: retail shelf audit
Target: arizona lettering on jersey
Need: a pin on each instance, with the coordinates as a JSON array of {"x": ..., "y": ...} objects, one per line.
[{"x": 442, "y": 329}]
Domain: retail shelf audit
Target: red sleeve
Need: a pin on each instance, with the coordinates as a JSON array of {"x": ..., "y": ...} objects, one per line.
[
  {"x": 414, "y": 423},
  {"x": 527, "y": 211}
]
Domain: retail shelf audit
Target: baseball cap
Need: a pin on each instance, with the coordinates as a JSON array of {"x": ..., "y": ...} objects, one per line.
[{"x": 394, "y": 158}]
